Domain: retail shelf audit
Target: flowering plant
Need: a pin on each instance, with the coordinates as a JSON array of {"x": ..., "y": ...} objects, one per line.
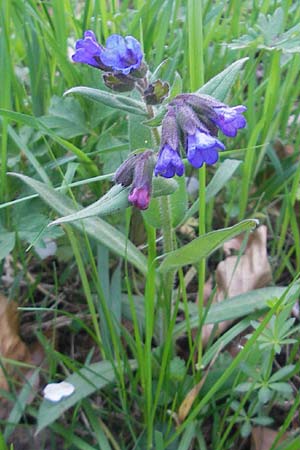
[{"x": 191, "y": 121}]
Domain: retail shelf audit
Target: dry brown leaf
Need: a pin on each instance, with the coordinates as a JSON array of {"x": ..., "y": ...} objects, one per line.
[
  {"x": 188, "y": 401},
  {"x": 262, "y": 438},
  {"x": 13, "y": 348},
  {"x": 11, "y": 345},
  {"x": 283, "y": 150},
  {"x": 237, "y": 275}
]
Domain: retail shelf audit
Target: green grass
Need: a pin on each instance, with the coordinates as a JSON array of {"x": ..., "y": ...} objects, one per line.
[{"x": 123, "y": 304}]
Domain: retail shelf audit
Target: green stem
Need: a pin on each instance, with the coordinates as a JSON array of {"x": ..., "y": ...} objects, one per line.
[
  {"x": 149, "y": 323},
  {"x": 165, "y": 214},
  {"x": 167, "y": 232},
  {"x": 196, "y": 69},
  {"x": 201, "y": 269}
]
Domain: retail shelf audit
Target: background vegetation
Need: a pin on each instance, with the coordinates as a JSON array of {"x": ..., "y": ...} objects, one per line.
[{"x": 96, "y": 305}]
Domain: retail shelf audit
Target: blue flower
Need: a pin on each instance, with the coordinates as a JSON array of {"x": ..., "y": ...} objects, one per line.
[
  {"x": 169, "y": 163},
  {"x": 202, "y": 148},
  {"x": 88, "y": 51},
  {"x": 122, "y": 54},
  {"x": 229, "y": 120}
]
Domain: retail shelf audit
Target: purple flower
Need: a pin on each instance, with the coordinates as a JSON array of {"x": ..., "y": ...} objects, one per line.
[
  {"x": 122, "y": 54},
  {"x": 88, "y": 51},
  {"x": 169, "y": 163},
  {"x": 140, "y": 197},
  {"x": 137, "y": 172},
  {"x": 202, "y": 148},
  {"x": 229, "y": 120}
]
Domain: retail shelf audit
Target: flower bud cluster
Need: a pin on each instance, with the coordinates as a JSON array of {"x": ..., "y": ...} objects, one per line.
[{"x": 194, "y": 120}]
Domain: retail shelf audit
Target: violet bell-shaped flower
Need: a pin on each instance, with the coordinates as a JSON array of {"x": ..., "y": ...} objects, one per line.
[
  {"x": 88, "y": 51},
  {"x": 201, "y": 147},
  {"x": 230, "y": 120},
  {"x": 121, "y": 55},
  {"x": 211, "y": 111},
  {"x": 169, "y": 162}
]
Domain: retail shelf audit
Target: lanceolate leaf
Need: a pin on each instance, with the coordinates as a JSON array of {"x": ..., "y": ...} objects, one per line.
[
  {"x": 85, "y": 381},
  {"x": 120, "y": 102},
  {"x": 238, "y": 306},
  {"x": 116, "y": 200},
  {"x": 203, "y": 246},
  {"x": 95, "y": 227},
  {"x": 220, "y": 85}
]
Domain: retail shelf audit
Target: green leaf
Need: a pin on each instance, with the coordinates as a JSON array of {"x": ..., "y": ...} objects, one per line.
[
  {"x": 262, "y": 420},
  {"x": 264, "y": 394},
  {"x": 18, "y": 409},
  {"x": 86, "y": 381},
  {"x": 177, "y": 200},
  {"x": 116, "y": 200},
  {"x": 156, "y": 120},
  {"x": 120, "y": 102},
  {"x": 7, "y": 243},
  {"x": 220, "y": 85},
  {"x": 282, "y": 373},
  {"x": 97, "y": 228},
  {"x": 221, "y": 177},
  {"x": 246, "y": 429},
  {"x": 289, "y": 444},
  {"x": 163, "y": 186},
  {"x": 238, "y": 306},
  {"x": 243, "y": 387},
  {"x": 176, "y": 87},
  {"x": 203, "y": 246},
  {"x": 37, "y": 124},
  {"x": 65, "y": 118},
  {"x": 283, "y": 388},
  {"x": 187, "y": 436},
  {"x": 139, "y": 135}
]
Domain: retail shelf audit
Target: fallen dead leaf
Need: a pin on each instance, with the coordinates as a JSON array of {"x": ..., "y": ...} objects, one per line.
[
  {"x": 239, "y": 274},
  {"x": 235, "y": 276},
  {"x": 11, "y": 345},
  {"x": 13, "y": 348},
  {"x": 262, "y": 438},
  {"x": 283, "y": 150},
  {"x": 189, "y": 399}
]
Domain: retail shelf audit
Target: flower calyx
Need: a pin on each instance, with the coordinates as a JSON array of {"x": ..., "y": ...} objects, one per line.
[{"x": 156, "y": 92}]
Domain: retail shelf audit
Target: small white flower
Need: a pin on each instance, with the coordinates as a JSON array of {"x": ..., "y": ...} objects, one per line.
[{"x": 56, "y": 391}]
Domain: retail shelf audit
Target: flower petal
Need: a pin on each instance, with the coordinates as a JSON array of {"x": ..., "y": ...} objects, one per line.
[
  {"x": 140, "y": 197},
  {"x": 169, "y": 163},
  {"x": 230, "y": 120},
  {"x": 56, "y": 391},
  {"x": 122, "y": 54},
  {"x": 88, "y": 50},
  {"x": 203, "y": 148}
]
